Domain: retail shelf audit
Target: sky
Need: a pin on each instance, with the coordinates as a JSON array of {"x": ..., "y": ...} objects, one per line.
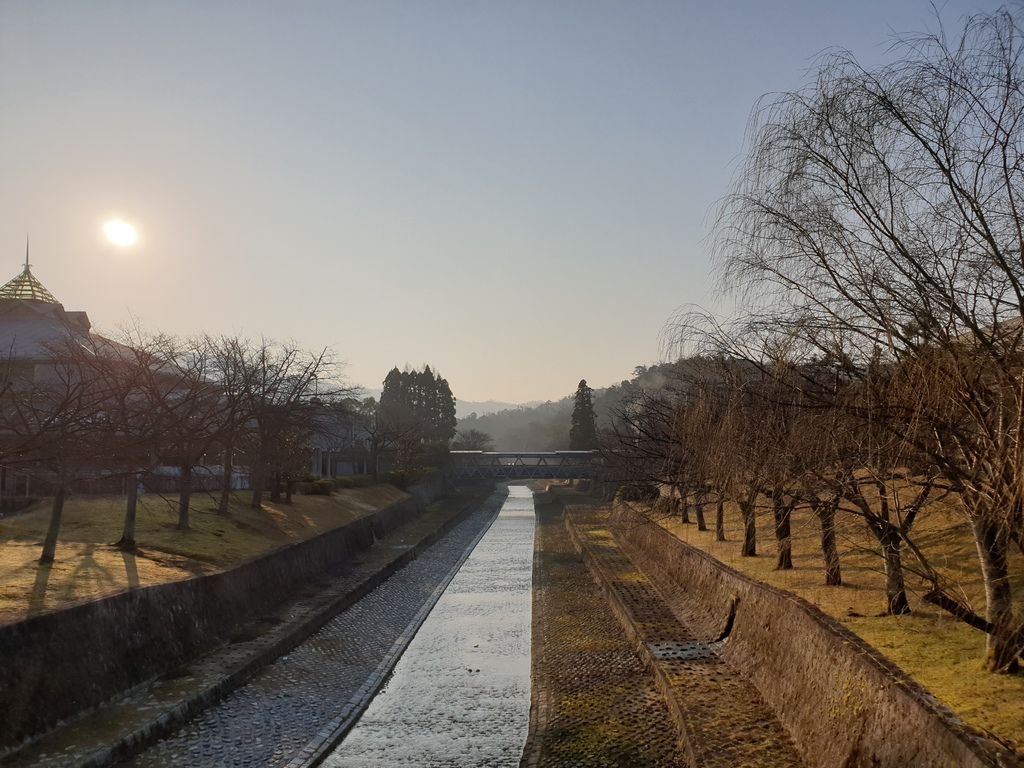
[{"x": 517, "y": 193}]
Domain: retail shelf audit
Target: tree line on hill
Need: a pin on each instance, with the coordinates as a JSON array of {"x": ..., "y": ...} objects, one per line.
[
  {"x": 874, "y": 366},
  {"x": 549, "y": 426}
]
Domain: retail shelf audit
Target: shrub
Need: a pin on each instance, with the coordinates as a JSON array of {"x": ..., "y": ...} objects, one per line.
[
  {"x": 401, "y": 479},
  {"x": 323, "y": 487},
  {"x": 11, "y": 506},
  {"x": 637, "y": 492},
  {"x": 662, "y": 506},
  {"x": 353, "y": 481}
]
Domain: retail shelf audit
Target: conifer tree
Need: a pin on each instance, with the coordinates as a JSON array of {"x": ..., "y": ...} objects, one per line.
[
  {"x": 420, "y": 404},
  {"x": 583, "y": 433}
]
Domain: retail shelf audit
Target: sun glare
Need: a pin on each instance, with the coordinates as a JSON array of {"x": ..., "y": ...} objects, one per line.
[{"x": 120, "y": 233}]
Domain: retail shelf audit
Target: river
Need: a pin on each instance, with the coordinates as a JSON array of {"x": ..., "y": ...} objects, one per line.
[{"x": 460, "y": 694}]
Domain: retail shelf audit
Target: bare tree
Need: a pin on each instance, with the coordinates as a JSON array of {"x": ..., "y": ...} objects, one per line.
[
  {"x": 50, "y": 423},
  {"x": 236, "y": 373},
  {"x": 182, "y": 393},
  {"x": 287, "y": 393},
  {"x": 885, "y": 204}
]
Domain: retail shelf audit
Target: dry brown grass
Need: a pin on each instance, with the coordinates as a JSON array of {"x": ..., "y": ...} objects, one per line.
[
  {"x": 88, "y": 567},
  {"x": 942, "y": 654}
]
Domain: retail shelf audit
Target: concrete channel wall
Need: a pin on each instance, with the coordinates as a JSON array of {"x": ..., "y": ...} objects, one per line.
[
  {"x": 62, "y": 663},
  {"x": 843, "y": 703}
]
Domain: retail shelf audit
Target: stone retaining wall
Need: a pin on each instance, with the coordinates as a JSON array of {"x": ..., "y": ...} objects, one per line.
[
  {"x": 844, "y": 704},
  {"x": 58, "y": 664}
]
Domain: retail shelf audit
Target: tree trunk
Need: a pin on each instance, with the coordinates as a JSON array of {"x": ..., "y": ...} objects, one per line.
[
  {"x": 1001, "y": 652},
  {"x": 826, "y": 512},
  {"x": 895, "y": 589},
  {"x": 53, "y": 531},
  {"x": 127, "y": 542},
  {"x": 698, "y": 511},
  {"x": 289, "y": 486},
  {"x": 684, "y": 509},
  {"x": 275, "y": 488},
  {"x": 256, "y": 480},
  {"x": 184, "y": 497},
  {"x": 749, "y": 548},
  {"x": 225, "y": 490},
  {"x": 783, "y": 512},
  {"x": 720, "y": 519}
]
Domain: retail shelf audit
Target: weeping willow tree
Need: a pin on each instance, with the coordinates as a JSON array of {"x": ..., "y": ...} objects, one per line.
[{"x": 882, "y": 207}]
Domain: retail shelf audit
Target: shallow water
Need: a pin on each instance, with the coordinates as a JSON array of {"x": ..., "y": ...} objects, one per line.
[{"x": 460, "y": 694}]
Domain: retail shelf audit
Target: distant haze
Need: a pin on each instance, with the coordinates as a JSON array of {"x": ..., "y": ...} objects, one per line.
[
  {"x": 515, "y": 193},
  {"x": 465, "y": 407}
]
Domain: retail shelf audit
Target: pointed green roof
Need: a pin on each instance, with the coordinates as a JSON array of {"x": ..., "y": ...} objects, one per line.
[{"x": 26, "y": 286}]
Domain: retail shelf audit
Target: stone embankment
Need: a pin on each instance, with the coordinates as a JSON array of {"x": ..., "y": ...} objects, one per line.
[
  {"x": 757, "y": 673},
  {"x": 126, "y": 636}
]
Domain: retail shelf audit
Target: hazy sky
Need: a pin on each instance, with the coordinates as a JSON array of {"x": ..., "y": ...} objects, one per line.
[{"x": 516, "y": 193}]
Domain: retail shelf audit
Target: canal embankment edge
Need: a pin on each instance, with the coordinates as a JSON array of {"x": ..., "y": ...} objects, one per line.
[
  {"x": 225, "y": 668},
  {"x": 842, "y": 702},
  {"x": 540, "y": 697},
  {"x": 331, "y": 735}
]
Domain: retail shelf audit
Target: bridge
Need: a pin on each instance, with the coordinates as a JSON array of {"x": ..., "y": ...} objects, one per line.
[{"x": 523, "y": 465}]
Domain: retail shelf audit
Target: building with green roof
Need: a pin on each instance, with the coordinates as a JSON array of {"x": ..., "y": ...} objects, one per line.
[{"x": 33, "y": 323}]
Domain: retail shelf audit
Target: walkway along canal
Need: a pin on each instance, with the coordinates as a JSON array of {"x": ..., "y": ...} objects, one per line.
[{"x": 460, "y": 694}]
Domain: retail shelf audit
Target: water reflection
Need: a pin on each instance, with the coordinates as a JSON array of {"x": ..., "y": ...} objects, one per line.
[{"x": 460, "y": 695}]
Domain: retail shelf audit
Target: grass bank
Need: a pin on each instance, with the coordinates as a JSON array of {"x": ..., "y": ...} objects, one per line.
[
  {"x": 88, "y": 566},
  {"x": 942, "y": 654}
]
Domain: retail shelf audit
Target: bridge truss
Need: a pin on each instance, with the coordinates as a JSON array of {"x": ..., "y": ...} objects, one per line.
[{"x": 523, "y": 465}]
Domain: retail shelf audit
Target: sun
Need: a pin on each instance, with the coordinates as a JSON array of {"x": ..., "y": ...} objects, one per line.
[{"x": 120, "y": 233}]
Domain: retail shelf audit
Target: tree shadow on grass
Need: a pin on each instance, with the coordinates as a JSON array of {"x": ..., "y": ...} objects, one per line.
[
  {"x": 96, "y": 579},
  {"x": 37, "y": 598},
  {"x": 131, "y": 569}
]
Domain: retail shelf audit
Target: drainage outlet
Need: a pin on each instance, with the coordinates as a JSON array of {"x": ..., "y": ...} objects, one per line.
[{"x": 666, "y": 650}]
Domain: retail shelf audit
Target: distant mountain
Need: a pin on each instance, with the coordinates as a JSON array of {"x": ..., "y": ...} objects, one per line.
[
  {"x": 545, "y": 426},
  {"x": 465, "y": 407}
]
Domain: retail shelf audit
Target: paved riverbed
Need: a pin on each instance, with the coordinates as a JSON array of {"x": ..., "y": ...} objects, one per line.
[
  {"x": 460, "y": 695},
  {"x": 597, "y": 706},
  {"x": 270, "y": 719}
]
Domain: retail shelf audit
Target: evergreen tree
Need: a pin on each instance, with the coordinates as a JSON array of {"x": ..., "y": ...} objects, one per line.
[
  {"x": 396, "y": 404},
  {"x": 420, "y": 404},
  {"x": 445, "y": 420},
  {"x": 583, "y": 433}
]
